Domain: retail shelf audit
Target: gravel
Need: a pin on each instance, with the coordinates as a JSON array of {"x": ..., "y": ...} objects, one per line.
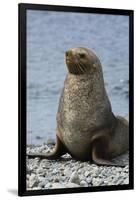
[{"x": 69, "y": 173}]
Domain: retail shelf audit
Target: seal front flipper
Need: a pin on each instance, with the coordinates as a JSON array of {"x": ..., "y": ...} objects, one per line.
[{"x": 58, "y": 151}]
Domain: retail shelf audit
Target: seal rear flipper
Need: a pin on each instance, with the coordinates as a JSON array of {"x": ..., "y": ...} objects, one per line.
[
  {"x": 57, "y": 152},
  {"x": 99, "y": 160}
]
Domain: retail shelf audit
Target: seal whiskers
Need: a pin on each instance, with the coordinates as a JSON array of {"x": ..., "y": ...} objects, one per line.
[{"x": 81, "y": 68}]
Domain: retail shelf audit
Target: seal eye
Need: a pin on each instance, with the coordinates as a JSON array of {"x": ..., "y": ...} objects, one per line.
[
  {"x": 67, "y": 53},
  {"x": 81, "y": 55}
]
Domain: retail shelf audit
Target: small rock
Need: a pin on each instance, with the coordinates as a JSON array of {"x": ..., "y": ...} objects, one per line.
[
  {"x": 43, "y": 183},
  {"x": 29, "y": 170},
  {"x": 55, "y": 171},
  {"x": 56, "y": 185},
  {"x": 39, "y": 171},
  {"x": 48, "y": 185},
  {"x": 120, "y": 181},
  {"x": 33, "y": 183},
  {"x": 79, "y": 171},
  {"x": 32, "y": 177},
  {"x": 118, "y": 169},
  {"x": 115, "y": 180},
  {"x": 126, "y": 169},
  {"x": 72, "y": 185},
  {"x": 67, "y": 172},
  {"x": 41, "y": 178},
  {"x": 75, "y": 178},
  {"x": 28, "y": 176},
  {"x": 87, "y": 173},
  {"x": 36, "y": 188},
  {"x": 94, "y": 175},
  {"x": 89, "y": 180},
  {"x": 126, "y": 181},
  {"x": 83, "y": 183},
  {"x": 81, "y": 165},
  {"x": 97, "y": 181},
  {"x": 82, "y": 177},
  {"x": 56, "y": 179},
  {"x": 34, "y": 167}
]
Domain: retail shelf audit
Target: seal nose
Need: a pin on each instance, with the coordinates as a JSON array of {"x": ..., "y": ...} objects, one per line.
[{"x": 70, "y": 57}]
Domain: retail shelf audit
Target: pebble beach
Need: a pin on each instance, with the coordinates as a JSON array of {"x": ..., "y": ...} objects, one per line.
[{"x": 69, "y": 173}]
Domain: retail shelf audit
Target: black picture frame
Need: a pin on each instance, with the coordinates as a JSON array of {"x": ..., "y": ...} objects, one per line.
[{"x": 22, "y": 9}]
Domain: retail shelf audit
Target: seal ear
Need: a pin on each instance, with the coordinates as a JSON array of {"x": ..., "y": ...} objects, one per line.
[{"x": 95, "y": 65}]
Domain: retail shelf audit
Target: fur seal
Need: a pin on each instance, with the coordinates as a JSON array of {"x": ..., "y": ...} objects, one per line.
[{"x": 87, "y": 129}]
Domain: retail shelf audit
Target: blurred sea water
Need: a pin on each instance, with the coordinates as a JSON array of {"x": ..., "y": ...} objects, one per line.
[{"x": 49, "y": 35}]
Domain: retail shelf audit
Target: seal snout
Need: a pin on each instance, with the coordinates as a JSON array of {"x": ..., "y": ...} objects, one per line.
[
  {"x": 70, "y": 57},
  {"x": 72, "y": 62}
]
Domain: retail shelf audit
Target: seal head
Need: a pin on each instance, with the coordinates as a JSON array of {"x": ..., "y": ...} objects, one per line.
[{"x": 80, "y": 60}]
